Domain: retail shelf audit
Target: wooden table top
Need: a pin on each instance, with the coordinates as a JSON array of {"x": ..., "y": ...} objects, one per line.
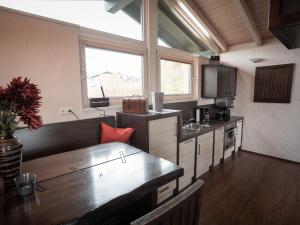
[{"x": 86, "y": 181}]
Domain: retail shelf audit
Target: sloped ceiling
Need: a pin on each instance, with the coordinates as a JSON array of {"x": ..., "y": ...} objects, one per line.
[
  {"x": 259, "y": 10},
  {"x": 225, "y": 18}
]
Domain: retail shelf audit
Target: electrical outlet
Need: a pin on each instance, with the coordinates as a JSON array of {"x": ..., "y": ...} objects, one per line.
[{"x": 65, "y": 111}]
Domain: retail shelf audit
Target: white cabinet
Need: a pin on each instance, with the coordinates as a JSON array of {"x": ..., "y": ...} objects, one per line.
[
  {"x": 219, "y": 145},
  {"x": 204, "y": 153},
  {"x": 187, "y": 162},
  {"x": 166, "y": 191},
  {"x": 238, "y": 138},
  {"x": 163, "y": 143}
]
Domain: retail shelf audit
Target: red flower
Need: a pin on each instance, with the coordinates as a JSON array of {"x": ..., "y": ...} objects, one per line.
[
  {"x": 25, "y": 99},
  {"x": 3, "y": 93}
]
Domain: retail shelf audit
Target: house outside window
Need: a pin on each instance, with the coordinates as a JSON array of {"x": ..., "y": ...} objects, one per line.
[{"x": 120, "y": 74}]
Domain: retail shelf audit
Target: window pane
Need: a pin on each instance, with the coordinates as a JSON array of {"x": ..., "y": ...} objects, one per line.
[
  {"x": 174, "y": 33},
  {"x": 124, "y": 21},
  {"x": 175, "y": 77},
  {"x": 120, "y": 74}
]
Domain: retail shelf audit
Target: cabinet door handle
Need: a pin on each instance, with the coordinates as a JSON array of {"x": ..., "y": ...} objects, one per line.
[
  {"x": 163, "y": 190},
  {"x": 188, "y": 141},
  {"x": 199, "y": 151},
  {"x": 176, "y": 129}
]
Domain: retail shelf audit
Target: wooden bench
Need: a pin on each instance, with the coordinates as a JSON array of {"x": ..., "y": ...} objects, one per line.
[{"x": 61, "y": 137}]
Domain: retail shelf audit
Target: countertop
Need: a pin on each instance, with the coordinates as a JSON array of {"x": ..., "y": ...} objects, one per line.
[
  {"x": 151, "y": 114},
  {"x": 213, "y": 126}
]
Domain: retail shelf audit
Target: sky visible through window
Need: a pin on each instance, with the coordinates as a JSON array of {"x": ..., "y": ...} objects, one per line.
[
  {"x": 90, "y": 14},
  {"x": 119, "y": 73}
]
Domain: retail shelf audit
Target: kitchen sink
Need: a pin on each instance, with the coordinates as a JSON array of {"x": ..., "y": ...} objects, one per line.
[{"x": 193, "y": 127}]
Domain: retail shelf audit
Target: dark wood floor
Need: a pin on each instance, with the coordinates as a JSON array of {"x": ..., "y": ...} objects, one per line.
[{"x": 252, "y": 190}]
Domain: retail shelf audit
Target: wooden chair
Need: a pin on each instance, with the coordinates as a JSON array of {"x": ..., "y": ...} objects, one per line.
[{"x": 184, "y": 209}]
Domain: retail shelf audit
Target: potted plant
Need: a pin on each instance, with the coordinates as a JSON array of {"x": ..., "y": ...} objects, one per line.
[{"x": 19, "y": 103}]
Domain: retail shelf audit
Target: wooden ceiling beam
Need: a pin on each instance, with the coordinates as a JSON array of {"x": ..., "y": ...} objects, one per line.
[
  {"x": 205, "y": 22},
  {"x": 114, "y": 6},
  {"x": 248, "y": 20},
  {"x": 183, "y": 17}
]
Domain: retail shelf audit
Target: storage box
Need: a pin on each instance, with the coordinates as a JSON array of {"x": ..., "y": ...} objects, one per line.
[{"x": 135, "y": 105}]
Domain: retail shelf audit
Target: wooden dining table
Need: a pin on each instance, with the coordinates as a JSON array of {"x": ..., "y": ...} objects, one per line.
[{"x": 90, "y": 185}]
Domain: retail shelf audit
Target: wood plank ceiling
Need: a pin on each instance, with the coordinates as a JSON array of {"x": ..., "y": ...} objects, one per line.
[{"x": 227, "y": 21}]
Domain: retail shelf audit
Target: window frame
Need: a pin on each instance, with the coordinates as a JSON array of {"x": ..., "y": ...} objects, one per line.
[
  {"x": 145, "y": 48},
  {"x": 101, "y": 40},
  {"x": 180, "y": 56}
]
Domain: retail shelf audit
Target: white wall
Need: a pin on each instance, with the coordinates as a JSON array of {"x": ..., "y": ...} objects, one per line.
[
  {"x": 271, "y": 129},
  {"x": 47, "y": 53}
]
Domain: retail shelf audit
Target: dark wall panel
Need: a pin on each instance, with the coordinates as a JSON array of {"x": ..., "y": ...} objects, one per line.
[
  {"x": 274, "y": 83},
  {"x": 188, "y": 108}
]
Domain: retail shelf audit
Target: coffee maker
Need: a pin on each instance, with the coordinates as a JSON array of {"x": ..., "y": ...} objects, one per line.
[
  {"x": 222, "y": 113},
  {"x": 202, "y": 115},
  {"x": 223, "y": 106}
]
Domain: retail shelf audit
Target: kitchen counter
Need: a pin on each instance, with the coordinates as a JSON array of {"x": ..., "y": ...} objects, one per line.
[
  {"x": 213, "y": 126},
  {"x": 152, "y": 115}
]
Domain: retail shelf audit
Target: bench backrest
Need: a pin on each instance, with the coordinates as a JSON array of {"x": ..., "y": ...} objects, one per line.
[{"x": 61, "y": 137}]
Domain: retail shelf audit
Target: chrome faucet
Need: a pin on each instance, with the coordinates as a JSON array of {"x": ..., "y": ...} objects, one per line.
[{"x": 188, "y": 121}]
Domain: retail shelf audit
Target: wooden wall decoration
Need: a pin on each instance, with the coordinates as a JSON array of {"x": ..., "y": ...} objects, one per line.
[{"x": 273, "y": 83}]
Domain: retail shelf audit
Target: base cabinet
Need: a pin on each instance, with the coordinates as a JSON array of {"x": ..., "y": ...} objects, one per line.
[
  {"x": 204, "y": 153},
  {"x": 228, "y": 152},
  {"x": 238, "y": 138},
  {"x": 187, "y": 162},
  {"x": 219, "y": 146},
  {"x": 163, "y": 143}
]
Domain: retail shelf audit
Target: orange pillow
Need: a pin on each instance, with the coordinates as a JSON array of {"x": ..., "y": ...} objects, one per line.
[{"x": 111, "y": 134}]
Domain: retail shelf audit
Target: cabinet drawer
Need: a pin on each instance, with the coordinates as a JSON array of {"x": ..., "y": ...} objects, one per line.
[
  {"x": 165, "y": 191},
  {"x": 205, "y": 136}
]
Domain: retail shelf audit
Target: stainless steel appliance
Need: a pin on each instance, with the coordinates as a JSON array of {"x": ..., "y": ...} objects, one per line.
[
  {"x": 230, "y": 133},
  {"x": 224, "y": 102},
  {"x": 202, "y": 115},
  {"x": 222, "y": 114}
]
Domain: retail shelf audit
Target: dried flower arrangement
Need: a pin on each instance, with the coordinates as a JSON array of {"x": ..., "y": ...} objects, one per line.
[{"x": 19, "y": 102}]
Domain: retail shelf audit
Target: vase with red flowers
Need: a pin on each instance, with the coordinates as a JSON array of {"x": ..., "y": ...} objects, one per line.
[{"x": 20, "y": 101}]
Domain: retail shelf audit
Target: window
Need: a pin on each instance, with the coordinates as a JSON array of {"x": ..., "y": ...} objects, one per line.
[
  {"x": 175, "y": 32},
  {"x": 175, "y": 77},
  {"x": 119, "y": 73},
  {"x": 113, "y": 17}
]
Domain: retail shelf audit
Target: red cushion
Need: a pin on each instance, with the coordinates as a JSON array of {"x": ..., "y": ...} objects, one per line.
[{"x": 111, "y": 134}]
